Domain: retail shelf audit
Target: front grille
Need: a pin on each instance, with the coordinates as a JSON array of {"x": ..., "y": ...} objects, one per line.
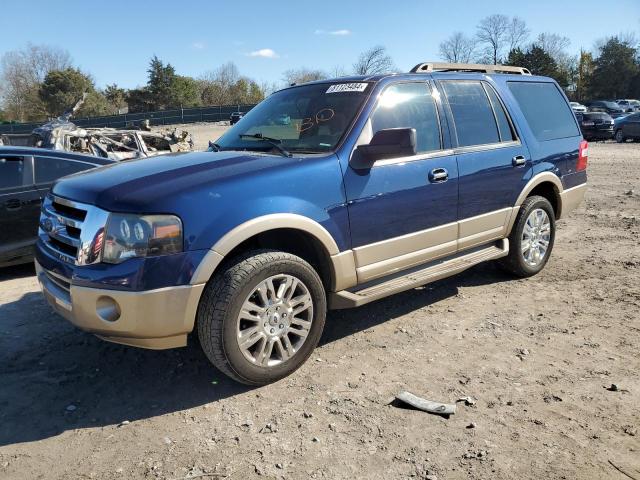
[
  {"x": 69, "y": 229},
  {"x": 59, "y": 281}
]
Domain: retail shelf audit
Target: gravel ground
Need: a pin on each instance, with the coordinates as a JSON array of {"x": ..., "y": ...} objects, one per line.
[
  {"x": 201, "y": 133},
  {"x": 536, "y": 355}
]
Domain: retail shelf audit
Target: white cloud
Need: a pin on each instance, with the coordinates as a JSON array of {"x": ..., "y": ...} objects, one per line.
[
  {"x": 340, "y": 33},
  {"x": 198, "y": 45},
  {"x": 264, "y": 53}
]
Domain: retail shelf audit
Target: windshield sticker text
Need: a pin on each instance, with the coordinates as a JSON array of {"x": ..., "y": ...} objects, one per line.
[{"x": 347, "y": 87}]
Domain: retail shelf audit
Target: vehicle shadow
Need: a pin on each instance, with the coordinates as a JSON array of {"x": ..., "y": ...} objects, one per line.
[
  {"x": 17, "y": 271},
  {"x": 56, "y": 378}
]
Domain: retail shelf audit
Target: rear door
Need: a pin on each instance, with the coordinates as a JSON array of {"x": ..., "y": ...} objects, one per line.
[
  {"x": 17, "y": 194},
  {"x": 631, "y": 128},
  {"x": 493, "y": 163}
]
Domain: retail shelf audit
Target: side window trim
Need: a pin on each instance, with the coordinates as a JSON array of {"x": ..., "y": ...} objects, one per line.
[{"x": 514, "y": 132}]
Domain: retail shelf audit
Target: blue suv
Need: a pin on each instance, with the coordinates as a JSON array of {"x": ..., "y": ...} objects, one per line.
[{"x": 374, "y": 185}]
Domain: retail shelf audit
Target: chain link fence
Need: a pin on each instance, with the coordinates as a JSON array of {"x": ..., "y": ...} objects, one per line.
[{"x": 160, "y": 117}]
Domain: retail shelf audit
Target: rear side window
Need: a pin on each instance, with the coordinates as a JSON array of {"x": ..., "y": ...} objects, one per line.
[
  {"x": 50, "y": 169},
  {"x": 472, "y": 113},
  {"x": 409, "y": 105},
  {"x": 545, "y": 109},
  {"x": 11, "y": 169}
]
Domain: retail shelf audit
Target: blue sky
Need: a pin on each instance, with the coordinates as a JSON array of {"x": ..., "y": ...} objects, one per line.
[{"x": 114, "y": 40}]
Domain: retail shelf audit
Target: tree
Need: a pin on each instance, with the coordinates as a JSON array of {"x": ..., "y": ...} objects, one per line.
[
  {"x": 493, "y": 33},
  {"x": 116, "y": 97},
  {"x": 458, "y": 48},
  {"x": 161, "y": 79},
  {"x": 303, "y": 75},
  {"x": 183, "y": 92},
  {"x": 584, "y": 72},
  {"x": 517, "y": 33},
  {"x": 61, "y": 89},
  {"x": 539, "y": 62},
  {"x": 374, "y": 61},
  {"x": 614, "y": 70},
  {"x": 22, "y": 73},
  {"x": 225, "y": 86}
]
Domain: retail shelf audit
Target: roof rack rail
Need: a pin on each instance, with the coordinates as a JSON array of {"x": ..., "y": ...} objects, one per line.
[{"x": 428, "y": 67}]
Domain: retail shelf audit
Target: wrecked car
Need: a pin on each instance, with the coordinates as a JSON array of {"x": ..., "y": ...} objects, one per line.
[{"x": 116, "y": 144}]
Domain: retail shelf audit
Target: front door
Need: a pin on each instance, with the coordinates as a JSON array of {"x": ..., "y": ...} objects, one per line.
[
  {"x": 403, "y": 211},
  {"x": 493, "y": 164}
]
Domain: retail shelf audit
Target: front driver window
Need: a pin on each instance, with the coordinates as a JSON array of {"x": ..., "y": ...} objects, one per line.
[
  {"x": 11, "y": 172},
  {"x": 409, "y": 105}
]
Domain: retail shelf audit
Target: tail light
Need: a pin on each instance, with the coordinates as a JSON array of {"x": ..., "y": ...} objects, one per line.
[{"x": 583, "y": 156}]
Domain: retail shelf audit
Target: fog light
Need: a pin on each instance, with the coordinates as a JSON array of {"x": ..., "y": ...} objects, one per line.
[{"x": 108, "y": 309}]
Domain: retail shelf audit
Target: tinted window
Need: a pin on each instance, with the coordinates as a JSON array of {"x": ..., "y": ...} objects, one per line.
[
  {"x": 11, "y": 169},
  {"x": 409, "y": 105},
  {"x": 504, "y": 127},
  {"x": 50, "y": 169},
  {"x": 472, "y": 113},
  {"x": 545, "y": 109}
]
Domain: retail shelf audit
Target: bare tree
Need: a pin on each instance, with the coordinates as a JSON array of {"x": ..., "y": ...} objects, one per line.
[
  {"x": 517, "y": 33},
  {"x": 458, "y": 48},
  {"x": 374, "y": 62},
  {"x": 493, "y": 34},
  {"x": 303, "y": 75},
  {"x": 554, "y": 44},
  {"x": 22, "y": 73},
  {"x": 338, "y": 71}
]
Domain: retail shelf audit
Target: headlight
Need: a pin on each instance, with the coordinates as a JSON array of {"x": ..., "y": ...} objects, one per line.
[{"x": 128, "y": 236}]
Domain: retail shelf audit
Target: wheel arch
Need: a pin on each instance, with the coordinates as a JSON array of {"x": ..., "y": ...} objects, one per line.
[
  {"x": 545, "y": 184},
  {"x": 290, "y": 232}
]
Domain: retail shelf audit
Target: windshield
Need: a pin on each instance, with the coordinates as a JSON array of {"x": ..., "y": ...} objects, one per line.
[{"x": 305, "y": 119}]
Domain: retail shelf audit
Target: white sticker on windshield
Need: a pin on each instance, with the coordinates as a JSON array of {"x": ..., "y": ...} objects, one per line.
[{"x": 347, "y": 87}]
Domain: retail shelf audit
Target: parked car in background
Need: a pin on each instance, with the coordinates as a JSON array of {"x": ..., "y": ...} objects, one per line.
[
  {"x": 627, "y": 127},
  {"x": 235, "y": 117},
  {"x": 578, "y": 107},
  {"x": 374, "y": 185},
  {"x": 629, "y": 105},
  {"x": 605, "y": 106},
  {"x": 26, "y": 174},
  {"x": 595, "y": 125}
]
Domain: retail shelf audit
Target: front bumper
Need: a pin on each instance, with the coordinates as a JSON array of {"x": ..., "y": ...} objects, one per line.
[{"x": 155, "y": 319}]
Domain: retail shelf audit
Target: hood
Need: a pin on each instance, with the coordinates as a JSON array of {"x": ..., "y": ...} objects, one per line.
[{"x": 139, "y": 185}]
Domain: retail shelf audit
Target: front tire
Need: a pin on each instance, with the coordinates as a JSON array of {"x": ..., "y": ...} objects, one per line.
[
  {"x": 262, "y": 316},
  {"x": 532, "y": 237}
]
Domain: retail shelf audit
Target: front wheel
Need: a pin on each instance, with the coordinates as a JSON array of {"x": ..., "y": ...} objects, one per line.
[
  {"x": 260, "y": 318},
  {"x": 619, "y": 136},
  {"x": 531, "y": 239}
]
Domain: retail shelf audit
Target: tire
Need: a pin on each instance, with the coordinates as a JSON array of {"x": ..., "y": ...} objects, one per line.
[
  {"x": 619, "y": 136},
  {"x": 245, "y": 281},
  {"x": 517, "y": 262}
]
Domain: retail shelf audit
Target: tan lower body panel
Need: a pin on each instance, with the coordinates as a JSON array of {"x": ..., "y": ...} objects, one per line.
[
  {"x": 400, "y": 253},
  {"x": 571, "y": 198},
  {"x": 155, "y": 319}
]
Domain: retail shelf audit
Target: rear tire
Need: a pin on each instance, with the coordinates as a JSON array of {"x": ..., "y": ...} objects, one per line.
[
  {"x": 261, "y": 316},
  {"x": 619, "y": 136},
  {"x": 531, "y": 239}
]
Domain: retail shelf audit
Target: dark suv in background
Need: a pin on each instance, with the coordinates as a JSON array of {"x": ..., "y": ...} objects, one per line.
[{"x": 595, "y": 125}]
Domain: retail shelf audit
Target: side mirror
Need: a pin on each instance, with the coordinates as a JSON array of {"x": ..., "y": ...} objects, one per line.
[{"x": 385, "y": 144}]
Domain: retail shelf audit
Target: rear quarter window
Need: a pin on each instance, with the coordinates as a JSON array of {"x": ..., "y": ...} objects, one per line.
[{"x": 547, "y": 112}]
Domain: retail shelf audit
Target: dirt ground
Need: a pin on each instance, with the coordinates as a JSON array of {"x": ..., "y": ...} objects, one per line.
[{"x": 536, "y": 355}]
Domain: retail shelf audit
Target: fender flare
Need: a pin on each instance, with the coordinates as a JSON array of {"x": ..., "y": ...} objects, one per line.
[{"x": 342, "y": 263}]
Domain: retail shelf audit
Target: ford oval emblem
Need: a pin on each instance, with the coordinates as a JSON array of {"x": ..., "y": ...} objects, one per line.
[{"x": 47, "y": 225}]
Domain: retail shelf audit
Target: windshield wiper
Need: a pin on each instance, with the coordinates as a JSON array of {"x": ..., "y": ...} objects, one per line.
[
  {"x": 273, "y": 141},
  {"x": 214, "y": 147}
]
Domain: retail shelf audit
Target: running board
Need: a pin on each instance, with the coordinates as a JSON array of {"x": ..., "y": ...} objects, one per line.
[{"x": 416, "y": 278}]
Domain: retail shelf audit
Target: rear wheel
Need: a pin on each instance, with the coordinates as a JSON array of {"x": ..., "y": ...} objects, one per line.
[
  {"x": 531, "y": 239},
  {"x": 260, "y": 318},
  {"x": 619, "y": 136}
]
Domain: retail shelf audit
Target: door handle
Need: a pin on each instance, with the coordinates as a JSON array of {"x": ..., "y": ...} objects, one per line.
[
  {"x": 438, "y": 175},
  {"x": 518, "y": 161},
  {"x": 13, "y": 204}
]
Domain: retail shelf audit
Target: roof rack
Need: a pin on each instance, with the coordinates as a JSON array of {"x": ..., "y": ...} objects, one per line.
[{"x": 428, "y": 67}]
